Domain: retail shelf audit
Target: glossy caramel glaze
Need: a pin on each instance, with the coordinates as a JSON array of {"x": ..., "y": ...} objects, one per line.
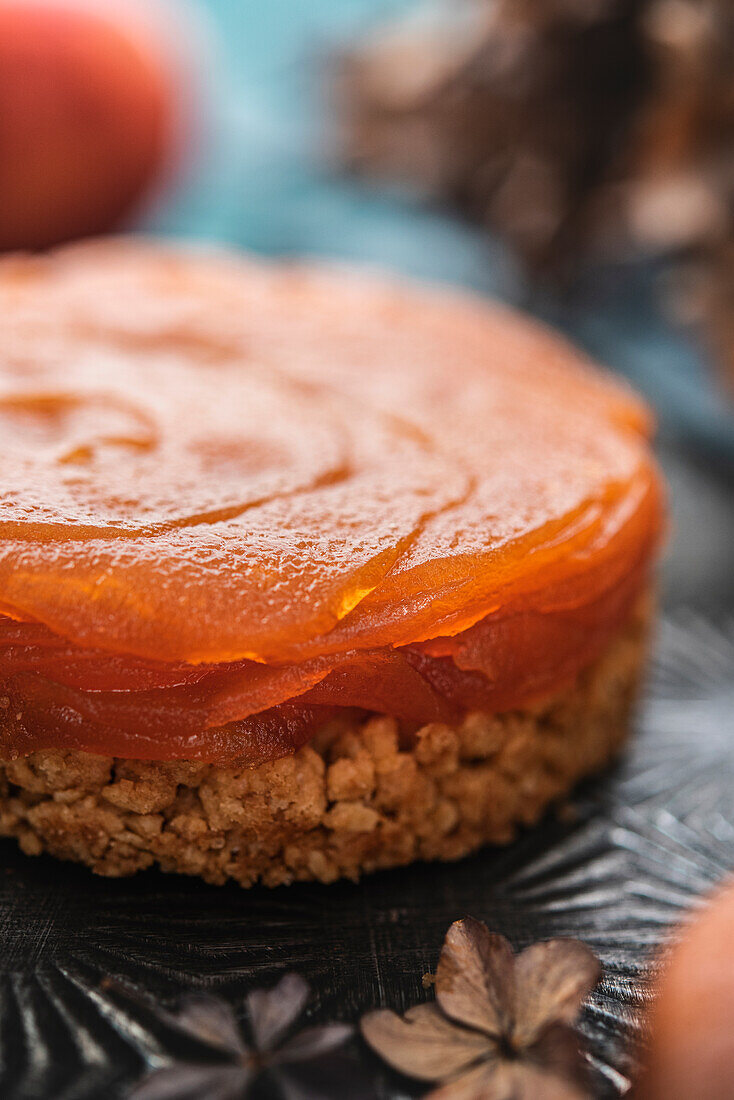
[{"x": 228, "y": 486}]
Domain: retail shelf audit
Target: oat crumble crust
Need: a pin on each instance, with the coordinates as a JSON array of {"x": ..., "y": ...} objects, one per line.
[{"x": 352, "y": 801}]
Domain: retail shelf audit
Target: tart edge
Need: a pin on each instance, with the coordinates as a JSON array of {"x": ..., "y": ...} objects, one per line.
[{"x": 353, "y": 800}]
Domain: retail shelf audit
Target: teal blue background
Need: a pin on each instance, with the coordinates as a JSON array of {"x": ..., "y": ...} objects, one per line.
[{"x": 268, "y": 178}]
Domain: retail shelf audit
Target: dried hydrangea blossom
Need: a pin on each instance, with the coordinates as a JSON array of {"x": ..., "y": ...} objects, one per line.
[
  {"x": 237, "y": 1063},
  {"x": 501, "y": 1023}
]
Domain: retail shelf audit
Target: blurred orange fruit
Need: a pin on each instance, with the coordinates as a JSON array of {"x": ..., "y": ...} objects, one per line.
[
  {"x": 85, "y": 121},
  {"x": 691, "y": 1055}
]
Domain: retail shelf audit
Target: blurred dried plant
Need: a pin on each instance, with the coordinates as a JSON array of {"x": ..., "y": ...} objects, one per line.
[
  {"x": 237, "y": 1064},
  {"x": 576, "y": 129}
]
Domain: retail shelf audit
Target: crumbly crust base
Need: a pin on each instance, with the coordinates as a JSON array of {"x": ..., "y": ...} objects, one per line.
[{"x": 353, "y": 800}]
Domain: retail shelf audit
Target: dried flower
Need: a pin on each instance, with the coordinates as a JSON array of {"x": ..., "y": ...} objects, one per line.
[
  {"x": 501, "y": 1025},
  {"x": 212, "y": 1023}
]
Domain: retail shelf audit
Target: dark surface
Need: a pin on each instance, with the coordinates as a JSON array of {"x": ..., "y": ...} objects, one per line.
[{"x": 89, "y": 965}]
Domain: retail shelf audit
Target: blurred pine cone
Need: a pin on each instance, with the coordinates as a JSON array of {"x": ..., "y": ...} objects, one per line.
[{"x": 574, "y": 128}]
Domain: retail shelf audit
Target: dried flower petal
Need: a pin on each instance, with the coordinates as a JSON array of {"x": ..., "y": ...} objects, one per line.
[
  {"x": 508, "y": 1081},
  {"x": 423, "y": 1043},
  {"x": 191, "y": 1082},
  {"x": 552, "y": 980},
  {"x": 272, "y": 1011},
  {"x": 558, "y": 1054},
  {"x": 535, "y": 1083},
  {"x": 312, "y": 1042},
  {"x": 480, "y": 1083},
  {"x": 475, "y": 977},
  {"x": 212, "y": 1021}
]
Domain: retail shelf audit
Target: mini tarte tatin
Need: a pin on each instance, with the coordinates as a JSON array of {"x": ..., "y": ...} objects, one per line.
[{"x": 303, "y": 571}]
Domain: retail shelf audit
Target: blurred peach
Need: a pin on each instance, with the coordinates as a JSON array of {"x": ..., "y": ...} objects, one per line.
[
  {"x": 691, "y": 1053},
  {"x": 86, "y": 119}
]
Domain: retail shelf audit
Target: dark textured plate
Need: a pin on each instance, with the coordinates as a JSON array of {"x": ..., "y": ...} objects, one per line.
[{"x": 91, "y": 968}]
